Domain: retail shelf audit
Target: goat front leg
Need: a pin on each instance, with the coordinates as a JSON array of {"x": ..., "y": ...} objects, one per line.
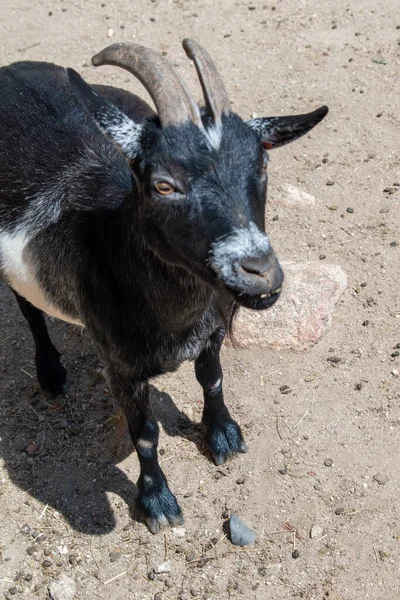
[
  {"x": 223, "y": 433},
  {"x": 156, "y": 502},
  {"x": 51, "y": 374}
]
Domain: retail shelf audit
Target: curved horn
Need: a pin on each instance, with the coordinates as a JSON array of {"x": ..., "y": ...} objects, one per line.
[
  {"x": 168, "y": 91},
  {"x": 215, "y": 96}
]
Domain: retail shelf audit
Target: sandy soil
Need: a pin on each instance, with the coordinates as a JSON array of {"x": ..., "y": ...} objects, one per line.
[{"x": 65, "y": 502}]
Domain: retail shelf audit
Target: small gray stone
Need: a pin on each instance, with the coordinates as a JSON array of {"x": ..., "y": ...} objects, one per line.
[
  {"x": 380, "y": 479},
  {"x": 114, "y": 556},
  {"x": 63, "y": 588},
  {"x": 241, "y": 535},
  {"x": 25, "y": 529},
  {"x": 316, "y": 531},
  {"x": 165, "y": 567}
]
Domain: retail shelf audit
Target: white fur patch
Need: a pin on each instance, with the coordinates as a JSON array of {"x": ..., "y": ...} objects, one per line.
[
  {"x": 229, "y": 251},
  {"x": 214, "y": 135},
  {"x": 122, "y": 130},
  {"x": 20, "y": 273},
  {"x": 15, "y": 263},
  {"x": 145, "y": 443}
]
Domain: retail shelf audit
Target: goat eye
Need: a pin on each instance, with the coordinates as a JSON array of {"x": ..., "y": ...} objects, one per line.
[{"x": 164, "y": 188}]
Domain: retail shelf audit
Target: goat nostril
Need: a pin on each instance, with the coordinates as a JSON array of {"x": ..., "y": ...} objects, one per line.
[{"x": 255, "y": 266}]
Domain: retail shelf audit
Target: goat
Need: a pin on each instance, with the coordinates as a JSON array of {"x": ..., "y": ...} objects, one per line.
[{"x": 147, "y": 228}]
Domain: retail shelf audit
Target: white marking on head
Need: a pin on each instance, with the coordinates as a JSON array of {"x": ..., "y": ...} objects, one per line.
[
  {"x": 148, "y": 479},
  {"x": 264, "y": 127},
  {"x": 214, "y": 135},
  {"x": 123, "y": 131},
  {"x": 227, "y": 253}
]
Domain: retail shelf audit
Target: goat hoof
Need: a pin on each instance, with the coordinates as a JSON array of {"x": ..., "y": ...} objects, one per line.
[
  {"x": 224, "y": 439},
  {"x": 160, "y": 509},
  {"x": 51, "y": 375}
]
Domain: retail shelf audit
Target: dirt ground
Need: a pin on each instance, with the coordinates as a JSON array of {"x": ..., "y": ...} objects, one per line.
[{"x": 326, "y": 455}]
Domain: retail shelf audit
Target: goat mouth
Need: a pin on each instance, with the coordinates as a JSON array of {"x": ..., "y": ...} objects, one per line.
[{"x": 256, "y": 301}]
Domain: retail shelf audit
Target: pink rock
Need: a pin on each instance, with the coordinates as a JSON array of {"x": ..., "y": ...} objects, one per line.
[{"x": 301, "y": 315}]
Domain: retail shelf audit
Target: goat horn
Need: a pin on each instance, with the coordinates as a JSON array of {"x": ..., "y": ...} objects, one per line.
[
  {"x": 168, "y": 91},
  {"x": 215, "y": 96}
]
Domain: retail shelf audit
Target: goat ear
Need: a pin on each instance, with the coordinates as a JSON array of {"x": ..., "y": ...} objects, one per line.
[
  {"x": 278, "y": 131},
  {"x": 124, "y": 132}
]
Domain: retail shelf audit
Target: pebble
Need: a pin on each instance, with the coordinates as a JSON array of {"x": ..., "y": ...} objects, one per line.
[
  {"x": 164, "y": 567},
  {"x": 380, "y": 479},
  {"x": 13, "y": 590},
  {"x": 316, "y": 531},
  {"x": 339, "y": 510},
  {"x": 285, "y": 389},
  {"x": 295, "y": 553},
  {"x": 330, "y": 182},
  {"x": 395, "y": 353},
  {"x": 241, "y": 535},
  {"x": 32, "y": 448},
  {"x": 350, "y": 210},
  {"x": 158, "y": 596},
  {"x": 393, "y": 244},
  {"x": 322, "y": 256},
  {"x": 240, "y": 480},
  {"x": 114, "y": 556},
  {"x": 63, "y": 588},
  {"x": 358, "y": 386},
  {"x": 178, "y": 532},
  {"x": 395, "y": 372},
  {"x": 25, "y": 529},
  {"x": 30, "y": 550},
  {"x": 47, "y": 563},
  {"x": 334, "y": 359},
  {"x": 328, "y": 462}
]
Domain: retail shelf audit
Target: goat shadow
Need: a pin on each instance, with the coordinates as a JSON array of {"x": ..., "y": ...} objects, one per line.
[{"x": 60, "y": 451}]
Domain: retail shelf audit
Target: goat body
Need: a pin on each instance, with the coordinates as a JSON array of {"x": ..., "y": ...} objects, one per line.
[{"x": 147, "y": 229}]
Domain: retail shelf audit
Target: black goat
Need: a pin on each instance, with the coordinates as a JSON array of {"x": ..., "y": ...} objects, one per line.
[{"x": 148, "y": 229}]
